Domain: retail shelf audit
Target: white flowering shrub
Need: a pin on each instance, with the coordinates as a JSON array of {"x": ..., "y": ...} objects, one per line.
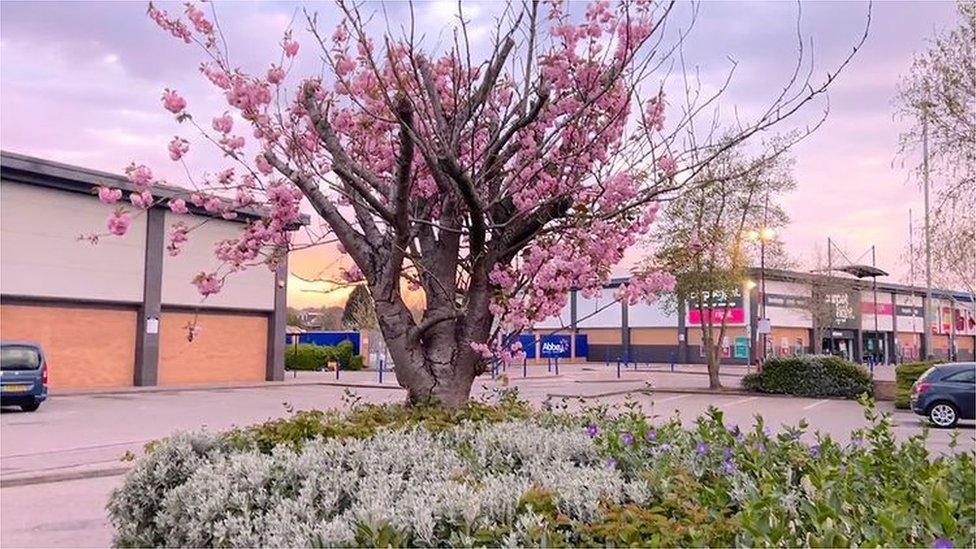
[{"x": 428, "y": 488}]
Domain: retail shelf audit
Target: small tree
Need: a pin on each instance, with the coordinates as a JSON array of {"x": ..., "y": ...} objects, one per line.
[
  {"x": 359, "y": 312},
  {"x": 490, "y": 178},
  {"x": 702, "y": 238},
  {"x": 938, "y": 96}
]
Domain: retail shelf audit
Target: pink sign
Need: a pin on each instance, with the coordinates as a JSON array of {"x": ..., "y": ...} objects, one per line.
[
  {"x": 734, "y": 316},
  {"x": 868, "y": 308}
]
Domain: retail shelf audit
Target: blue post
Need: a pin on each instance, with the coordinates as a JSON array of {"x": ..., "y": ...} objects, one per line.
[{"x": 382, "y": 360}]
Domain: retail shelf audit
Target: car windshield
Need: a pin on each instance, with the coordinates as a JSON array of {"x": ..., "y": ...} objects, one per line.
[{"x": 19, "y": 357}]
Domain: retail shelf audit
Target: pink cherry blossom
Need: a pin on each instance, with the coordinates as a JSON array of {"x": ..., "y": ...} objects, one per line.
[
  {"x": 142, "y": 200},
  {"x": 262, "y": 164},
  {"x": 109, "y": 195},
  {"x": 276, "y": 74},
  {"x": 290, "y": 47},
  {"x": 208, "y": 283},
  {"x": 119, "y": 221},
  {"x": 177, "y": 148},
  {"x": 667, "y": 165},
  {"x": 173, "y": 102},
  {"x": 482, "y": 349},
  {"x": 199, "y": 19},
  {"x": 223, "y": 124},
  {"x": 233, "y": 143},
  {"x": 140, "y": 176},
  {"x": 178, "y": 206},
  {"x": 178, "y": 235}
]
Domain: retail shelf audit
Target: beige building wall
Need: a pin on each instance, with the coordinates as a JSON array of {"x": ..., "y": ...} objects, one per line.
[
  {"x": 252, "y": 288},
  {"x": 42, "y": 256}
]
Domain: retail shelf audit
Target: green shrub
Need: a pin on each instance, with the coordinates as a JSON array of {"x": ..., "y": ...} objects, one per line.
[
  {"x": 308, "y": 357},
  {"x": 344, "y": 353},
  {"x": 502, "y": 475},
  {"x": 811, "y": 375},
  {"x": 905, "y": 376}
]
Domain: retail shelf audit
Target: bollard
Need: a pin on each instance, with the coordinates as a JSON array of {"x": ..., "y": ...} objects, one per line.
[
  {"x": 525, "y": 367},
  {"x": 382, "y": 360},
  {"x": 618, "y": 369},
  {"x": 337, "y": 369},
  {"x": 549, "y": 365},
  {"x": 557, "y": 365}
]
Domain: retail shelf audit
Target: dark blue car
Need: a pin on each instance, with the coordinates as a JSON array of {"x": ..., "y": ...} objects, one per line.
[
  {"x": 23, "y": 375},
  {"x": 946, "y": 393}
]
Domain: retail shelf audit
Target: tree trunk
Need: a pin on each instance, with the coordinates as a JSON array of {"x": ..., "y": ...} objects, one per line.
[
  {"x": 436, "y": 368},
  {"x": 712, "y": 356}
]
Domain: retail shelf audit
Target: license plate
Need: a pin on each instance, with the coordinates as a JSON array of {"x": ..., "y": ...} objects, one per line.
[{"x": 19, "y": 388}]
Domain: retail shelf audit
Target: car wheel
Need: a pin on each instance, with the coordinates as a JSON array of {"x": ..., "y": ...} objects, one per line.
[
  {"x": 32, "y": 407},
  {"x": 943, "y": 414}
]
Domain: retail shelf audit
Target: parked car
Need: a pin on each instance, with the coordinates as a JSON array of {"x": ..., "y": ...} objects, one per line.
[
  {"x": 23, "y": 375},
  {"x": 946, "y": 393}
]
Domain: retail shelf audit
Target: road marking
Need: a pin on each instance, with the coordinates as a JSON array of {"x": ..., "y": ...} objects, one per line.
[
  {"x": 669, "y": 399},
  {"x": 815, "y": 404},
  {"x": 740, "y": 401}
]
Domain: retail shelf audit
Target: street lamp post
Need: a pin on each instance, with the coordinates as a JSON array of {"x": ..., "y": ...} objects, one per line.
[{"x": 762, "y": 235}]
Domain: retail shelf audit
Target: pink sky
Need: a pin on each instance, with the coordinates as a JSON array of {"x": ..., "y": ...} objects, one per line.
[{"x": 80, "y": 83}]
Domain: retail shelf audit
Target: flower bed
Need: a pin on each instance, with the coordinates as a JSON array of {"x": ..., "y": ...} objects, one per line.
[{"x": 502, "y": 475}]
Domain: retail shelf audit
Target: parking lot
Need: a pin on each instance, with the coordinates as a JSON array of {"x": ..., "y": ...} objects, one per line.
[{"x": 86, "y": 435}]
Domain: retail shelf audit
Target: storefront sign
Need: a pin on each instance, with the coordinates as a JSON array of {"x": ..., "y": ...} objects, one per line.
[
  {"x": 741, "y": 347},
  {"x": 869, "y": 308},
  {"x": 720, "y": 306},
  {"x": 555, "y": 346},
  {"x": 790, "y": 301},
  {"x": 841, "y": 309}
]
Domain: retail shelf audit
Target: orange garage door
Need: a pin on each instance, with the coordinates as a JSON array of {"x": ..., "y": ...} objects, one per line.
[
  {"x": 86, "y": 346},
  {"x": 226, "y": 347}
]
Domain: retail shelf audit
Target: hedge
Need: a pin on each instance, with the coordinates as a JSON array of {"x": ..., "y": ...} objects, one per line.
[
  {"x": 504, "y": 475},
  {"x": 810, "y": 375},
  {"x": 317, "y": 357},
  {"x": 905, "y": 376}
]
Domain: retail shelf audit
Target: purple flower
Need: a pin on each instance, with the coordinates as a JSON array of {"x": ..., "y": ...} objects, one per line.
[
  {"x": 942, "y": 543},
  {"x": 733, "y": 429},
  {"x": 627, "y": 439},
  {"x": 857, "y": 442},
  {"x": 592, "y": 430},
  {"x": 727, "y": 454},
  {"x": 815, "y": 451},
  {"x": 729, "y": 467},
  {"x": 761, "y": 447},
  {"x": 767, "y": 431},
  {"x": 702, "y": 448},
  {"x": 651, "y": 435},
  {"x": 611, "y": 463},
  {"x": 665, "y": 447}
]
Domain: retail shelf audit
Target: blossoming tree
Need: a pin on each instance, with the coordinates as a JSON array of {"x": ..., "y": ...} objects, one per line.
[{"x": 493, "y": 183}]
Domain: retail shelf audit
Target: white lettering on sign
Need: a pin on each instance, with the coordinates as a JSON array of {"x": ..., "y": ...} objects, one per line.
[{"x": 553, "y": 347}]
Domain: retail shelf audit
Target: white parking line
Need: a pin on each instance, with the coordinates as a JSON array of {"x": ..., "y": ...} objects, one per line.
[
  {"x": 669, "y": 399},
  {"x": 740, "y": 401},
  {"x": 815, "y": 404}
]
